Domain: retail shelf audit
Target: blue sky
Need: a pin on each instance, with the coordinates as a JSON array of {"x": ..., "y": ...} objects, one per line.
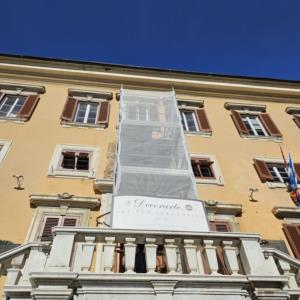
[{"x": 236, "y": 37}]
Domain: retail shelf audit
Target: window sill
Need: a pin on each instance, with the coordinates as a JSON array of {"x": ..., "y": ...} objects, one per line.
[
  {"x": 11, "y": 119},
  {"x": 82, "y": 126},
  {"x": 263, "y": 138},
  {"x": 277, "y": 185},
  {"x": 73, "y": 175},
  {"x": 200, "y": 133},
  {"x": 210, "y": 181}
]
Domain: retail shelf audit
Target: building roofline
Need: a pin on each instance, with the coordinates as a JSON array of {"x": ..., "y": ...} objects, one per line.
[{"x": 149, "y": 69}]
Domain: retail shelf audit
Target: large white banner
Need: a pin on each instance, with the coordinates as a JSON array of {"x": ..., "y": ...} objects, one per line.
[{"x": 135, "y": 212}]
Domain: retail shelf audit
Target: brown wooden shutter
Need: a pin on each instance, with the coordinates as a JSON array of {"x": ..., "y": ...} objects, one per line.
[
  {"x": 220, "y": 226},
  {"x": 297, "y": 120},
  {"x": 1, "y": 96},
  {"x": 297, "y": 170},
  {"x": 270, "y": 125},
  {"x": 237, "y": 119},
  {"x": 29, "y": 106},
  {"x": 262, "y": 170},
  {"x": 203, "y": 120},
  {"x": 103, "y": 116},
  {"x": 69, "y": 110},
  {"x": 47, "y": 231},
  {"x": 70, "y": 222},
  {"x": 292, "y": 232}
]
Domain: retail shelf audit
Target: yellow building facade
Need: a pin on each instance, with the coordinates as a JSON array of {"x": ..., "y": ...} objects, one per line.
[{"x": 43, "y": 159}]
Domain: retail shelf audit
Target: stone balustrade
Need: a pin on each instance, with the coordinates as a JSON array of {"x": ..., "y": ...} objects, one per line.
[{"x": 151, "y": 265}]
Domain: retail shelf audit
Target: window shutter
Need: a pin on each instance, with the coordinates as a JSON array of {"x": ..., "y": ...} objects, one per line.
[
  {"x": 72, "y": 222},
  {"x": 29, "y": 106},
  {"x": 203, "y": 120},
  {"x": 292, "y": 232},
  {"x": 69, "y": 110},
  {"x": 220, "y": 226},
  {"x": 297, "y": 170},
  {"x": 237, "y": 119},
  {"x": 1, "y": 96},
  {"x": 103, "y": 116},
  {"x": 262, "y": 170},
  {"x": 270, "y": 125},
  {"x": 47, "y": 230},
  {"x": 296, "y": 119}
]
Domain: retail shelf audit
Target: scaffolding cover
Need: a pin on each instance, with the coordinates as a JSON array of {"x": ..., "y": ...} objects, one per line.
[{"x": 154, "y": 185}]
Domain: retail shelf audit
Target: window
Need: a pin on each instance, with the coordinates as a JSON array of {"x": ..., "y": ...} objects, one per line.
[
  {"x": 255, "y": 124},
  {"x": 45, "y": 234},
  {"x": 4, "y": 147},
  {"x": 195, "y": 120},
  {"x": 292, "y": 232},
  {"x": 206, "y": 169},
  {"x": 295, "y": 112},
  {"x": 86, "y": 111},
  {"x": 202, "y": 168},
  {"x": 274, "y": 172},
  {"x": 17, "y": 106},
  {"x": 74, "y": 161}
]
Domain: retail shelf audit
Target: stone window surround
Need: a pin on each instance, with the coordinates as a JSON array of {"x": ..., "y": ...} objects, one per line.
[
  {"x": 273, "y": 185},
  {"x": 4, "y": 150},
  {"x": 219, "y": 179},
  {"x": 94, "y": 160},
  {"x": 41, "y": 212}
]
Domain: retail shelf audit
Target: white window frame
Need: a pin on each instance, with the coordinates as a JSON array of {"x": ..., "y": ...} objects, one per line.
[
  {"x": 6, "y": 97},
  {"x": 55, "y": 171},
  {"x": 219, "y": 179},
  {"x": 183, "y": 117},
  {"x": 89, "y": 101},
  {"x": 4, "y": 150},
  {"x": 253, "y": 128},
  {"x": 278, "y": 175}
]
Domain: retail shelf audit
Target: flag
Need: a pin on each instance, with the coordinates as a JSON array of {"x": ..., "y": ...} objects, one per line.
[{"x": 293, "y": 182}]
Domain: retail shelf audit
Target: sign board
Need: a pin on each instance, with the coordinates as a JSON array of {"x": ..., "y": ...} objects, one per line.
[{"x": 150, "y": 213}]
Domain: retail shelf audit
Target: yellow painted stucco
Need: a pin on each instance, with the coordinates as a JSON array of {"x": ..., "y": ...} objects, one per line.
[{"x": 34, "y": 141}]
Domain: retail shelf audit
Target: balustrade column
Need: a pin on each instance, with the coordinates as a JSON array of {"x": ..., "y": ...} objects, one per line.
[
  {"x": 191, "y": 256},
  {"x": 211, "y": 256},
  {"x": 171, "y": 255},
  {"x": 150, "y": 253},
  {"x": 286, "y": 268},
  {"x": 13, "y": 273},
  {"x": 108, "y": 254},
  {"x": 231, "y": 257},
  {"x": 130, "y": 250},
  {"x": 61, "y": 251},
  {"x": 87, "y": 253}
]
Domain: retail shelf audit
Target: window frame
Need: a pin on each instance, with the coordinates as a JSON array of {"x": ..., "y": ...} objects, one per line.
[
  {"x": 16, "y": 101},
  {"x": 253, "y": 129},
  {"x": 89, "y": 102},
  {"x": 83, "y": 214},
  {"x": 185, "y": 123},
  {"x": 218, "y": 178},
  {"x": 273, "y": 184},
  {"x": 55, "y": 169},
  {"x": 5, "y": 146}
]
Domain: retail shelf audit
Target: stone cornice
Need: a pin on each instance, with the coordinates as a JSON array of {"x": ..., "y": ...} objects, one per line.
[
  {"x": 64, "y": 199},
  {"x": 223, "y": 208},
  {"x": 286, "y": 212},
  {"x": 103, "y": 186},
  {"x": 200, "y": 84}
]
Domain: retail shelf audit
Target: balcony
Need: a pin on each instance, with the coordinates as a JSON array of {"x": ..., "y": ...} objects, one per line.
[{"x": 93, "y": 263}]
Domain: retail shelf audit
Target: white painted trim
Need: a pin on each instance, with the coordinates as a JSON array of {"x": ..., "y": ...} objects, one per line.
[
  {"x": 3, "y": 152},
  {"x": 94, "y": 162},
  {"x": 219, "y": 179}
]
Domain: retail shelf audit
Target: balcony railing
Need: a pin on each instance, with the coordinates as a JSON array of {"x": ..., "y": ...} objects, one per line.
[{"x": 81, "y": 255}]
